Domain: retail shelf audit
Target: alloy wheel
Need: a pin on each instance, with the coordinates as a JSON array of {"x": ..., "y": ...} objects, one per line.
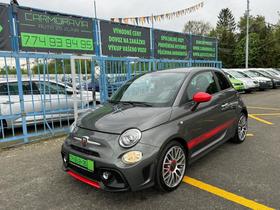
[
  {"x": 242, "y": 127},
  {"x": 173, "y": 166}
]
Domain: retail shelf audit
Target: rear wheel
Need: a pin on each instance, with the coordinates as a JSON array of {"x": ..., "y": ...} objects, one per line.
[
  {"x": 171, "y": 167},
  {"x": 242, "y": 129}
]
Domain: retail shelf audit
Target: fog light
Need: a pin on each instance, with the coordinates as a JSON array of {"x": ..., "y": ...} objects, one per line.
[
  {"x": 64, "y": 159},
  {"x": 106, "y": 175},
  {"x": 132, "y": 157}
]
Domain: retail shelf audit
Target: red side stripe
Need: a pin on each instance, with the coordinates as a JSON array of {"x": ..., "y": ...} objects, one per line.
[
  {"x": 198, "y": 140},
  {"x": 83, "y": 179}
]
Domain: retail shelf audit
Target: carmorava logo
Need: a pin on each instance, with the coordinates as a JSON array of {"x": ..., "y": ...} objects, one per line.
[
  {"x": 1, "y": 28},
  {"x": 50, "y": 19}
]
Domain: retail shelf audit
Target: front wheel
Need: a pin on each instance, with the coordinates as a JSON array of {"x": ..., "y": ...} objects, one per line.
[
  {"x": 171, "y": 167},
  {"x": 242, "y": 129}
]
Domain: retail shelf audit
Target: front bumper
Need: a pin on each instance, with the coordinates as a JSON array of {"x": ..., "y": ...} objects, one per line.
[
  {"x": 238, "y": 87},
  {"x": 251, "y": 87},
  {"x": 266, "y": 85},
  {"x": 122, "y": 177},
  {"x": 276, "y": 83}
]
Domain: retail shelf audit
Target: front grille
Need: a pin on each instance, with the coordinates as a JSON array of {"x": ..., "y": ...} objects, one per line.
[
  {"x": 85, "y": 151},
  {"x": 83, "y": 172}
]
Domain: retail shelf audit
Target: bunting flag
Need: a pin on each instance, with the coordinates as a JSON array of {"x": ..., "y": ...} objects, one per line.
[{"x": 158, "y": 18}]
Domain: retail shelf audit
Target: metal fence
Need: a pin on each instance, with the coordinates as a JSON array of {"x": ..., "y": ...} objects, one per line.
[{"x": 40, "y": 93}]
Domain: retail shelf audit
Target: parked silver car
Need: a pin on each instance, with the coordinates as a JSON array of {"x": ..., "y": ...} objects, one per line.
[{"x": 43, "y": 100}]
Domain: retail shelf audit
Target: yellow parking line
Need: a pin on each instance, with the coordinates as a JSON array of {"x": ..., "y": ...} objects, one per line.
[
  {"x": 264, "y": 108},
  {"x": 225, "y": 194},
  {"x": 260, "y": 120},
  {"x": 267, "y": 114},
  {"x": 250, "y": 135}
]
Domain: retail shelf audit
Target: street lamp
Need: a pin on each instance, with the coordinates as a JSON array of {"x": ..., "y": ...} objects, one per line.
[{"x": 247, "y": 35}]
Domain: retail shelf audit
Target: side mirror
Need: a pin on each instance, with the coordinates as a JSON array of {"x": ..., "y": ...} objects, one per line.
[{"x": 201, "y": 97}]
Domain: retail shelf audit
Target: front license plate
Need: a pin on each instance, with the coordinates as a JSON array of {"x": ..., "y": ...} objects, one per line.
[{"x": 86, "y": 164}]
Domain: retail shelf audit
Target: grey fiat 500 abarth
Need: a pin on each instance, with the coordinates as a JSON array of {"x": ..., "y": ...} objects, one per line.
[{"x": 152, "y": 128}]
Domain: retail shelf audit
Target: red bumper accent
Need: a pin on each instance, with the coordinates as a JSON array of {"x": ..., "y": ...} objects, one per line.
[{"x": 83, "y": 179}]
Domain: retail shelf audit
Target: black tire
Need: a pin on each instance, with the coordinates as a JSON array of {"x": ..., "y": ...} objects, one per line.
[
  {"x": 160, "y": 183},
  {"x": 238, "y": 137}
]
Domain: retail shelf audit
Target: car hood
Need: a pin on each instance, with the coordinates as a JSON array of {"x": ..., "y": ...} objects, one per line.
[
  {"x": 263, "y": 79},
  {"x": 246, "y": 80},
  {"x": 235, "y": 81},
  {"x": 117, "y": 118}
]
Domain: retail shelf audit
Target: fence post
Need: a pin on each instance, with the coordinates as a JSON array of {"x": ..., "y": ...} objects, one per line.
[
  {"x": 217, "y": 49},
  {"x": 190, "y": 51},
  {"x": 15, "y": 37},
  {"x": 128, "y": 74},
  {"x": 103, "y": 81}
]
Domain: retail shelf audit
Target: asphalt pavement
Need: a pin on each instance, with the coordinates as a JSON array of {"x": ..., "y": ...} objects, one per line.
[{"x": 230, "y": 177}]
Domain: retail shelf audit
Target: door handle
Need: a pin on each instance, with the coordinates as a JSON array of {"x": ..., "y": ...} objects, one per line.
[{"x": 224, "y": 106}]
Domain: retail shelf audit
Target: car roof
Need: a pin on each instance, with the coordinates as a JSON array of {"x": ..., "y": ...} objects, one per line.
[
  {"x": 187, "y": 70},
  {"x": 4, "y": 80}
]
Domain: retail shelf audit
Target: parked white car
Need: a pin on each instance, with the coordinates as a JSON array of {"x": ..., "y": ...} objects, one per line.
[
  {"x": 265, "y": 83},
  {"x": 43, "y": 100},
  {"x": 272, "y": 72},
  {"x": 249, "y": 83}
]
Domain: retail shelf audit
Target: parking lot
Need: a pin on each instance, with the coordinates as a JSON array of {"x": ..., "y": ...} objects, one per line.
[{"x": 231, "y": 177}]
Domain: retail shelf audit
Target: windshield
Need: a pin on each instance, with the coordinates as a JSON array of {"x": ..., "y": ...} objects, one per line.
[
  {"x": 265, "y": 73},
  {"x": 272, "y": 73},
  {"x": 236, "y": 74},
  {"x": 154, "y": 89},
  {"x": 250, "y": 74},
  {"x": 245, "y": 75}
]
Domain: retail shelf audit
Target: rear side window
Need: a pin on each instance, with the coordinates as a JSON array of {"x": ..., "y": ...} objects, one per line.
[
  {"x": 202, "y": 82},
  {"x": 29, "y": 88},
  {"x": 222, "y": 80},
  {"x": 9, "y": 89}
]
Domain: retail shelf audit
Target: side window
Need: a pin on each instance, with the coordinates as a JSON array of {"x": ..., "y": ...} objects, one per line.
[
  {"x": 13, "y": 88},
  {"x": 257, "y": 73},
  {"x": 3, "y": 89},
  {"x": 202, "y": 82},
  {"x": 50, "y": 88},
  {"x": 29, "y": 88},
  {"x": 57, "y": 89},
  {"x": 223, "y": 82}
]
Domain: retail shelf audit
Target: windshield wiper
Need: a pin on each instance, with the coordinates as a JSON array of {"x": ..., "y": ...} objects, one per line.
[
  {"x": 137, "y": 103},
  {"x": 133, "y": 103}
]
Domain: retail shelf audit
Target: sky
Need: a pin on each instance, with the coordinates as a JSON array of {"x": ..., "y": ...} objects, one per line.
[{"x": 127, "y": 8}]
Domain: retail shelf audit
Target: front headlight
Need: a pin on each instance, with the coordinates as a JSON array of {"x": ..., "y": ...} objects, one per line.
[{"x": 130, "y": 138}]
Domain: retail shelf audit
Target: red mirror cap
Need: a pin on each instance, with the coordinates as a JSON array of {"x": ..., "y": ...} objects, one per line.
[{"x": 201, "y": 97}]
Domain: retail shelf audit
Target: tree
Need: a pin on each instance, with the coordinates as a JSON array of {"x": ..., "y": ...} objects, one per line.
[
  {"x": 254, "y": 51},
  {"x": 197, "y": 27},
  {"x": 257, "y": 25},
  {"x": 225, "y": 33},
  {"x": 267, "y": 43},
  {"x": 275, "y": 51},
  {"x": 226, "y": 20}
]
